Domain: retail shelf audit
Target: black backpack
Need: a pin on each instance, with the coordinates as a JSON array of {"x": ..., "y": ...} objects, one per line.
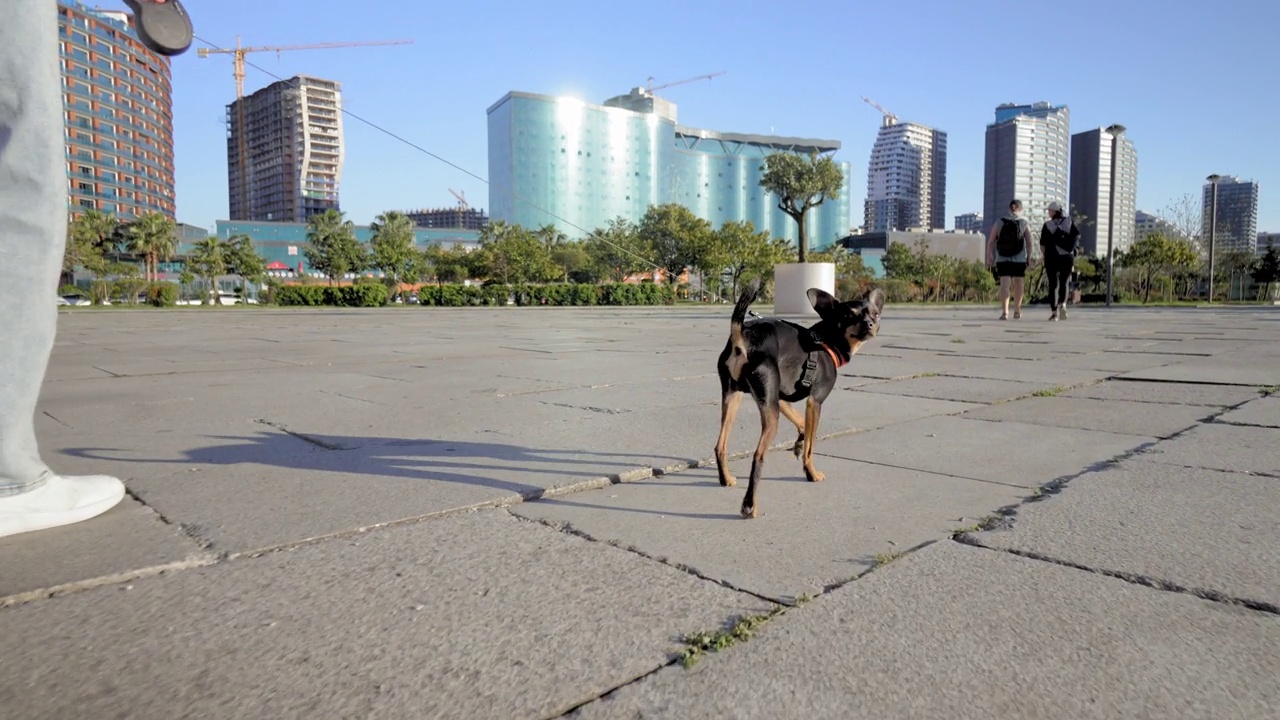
[{"x": 1009, "y": 242}]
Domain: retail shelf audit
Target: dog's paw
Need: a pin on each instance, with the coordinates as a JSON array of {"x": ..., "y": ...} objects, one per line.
[
  {"x": 814, "y": 475},
  {"x": 749, "y": 511},
  {"x": 728, "y": 481},
  {"x": 798, "y": 448}
]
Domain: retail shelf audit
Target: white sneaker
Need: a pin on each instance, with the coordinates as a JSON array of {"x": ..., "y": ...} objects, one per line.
[
  {"x": 1062, "y": 313},
  {"x": 59, "y": 501}
]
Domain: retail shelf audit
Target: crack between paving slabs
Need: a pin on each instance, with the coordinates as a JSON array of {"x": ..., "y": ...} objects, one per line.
[
  {"x": 1004, "y": 518},
  {"x": 778, "y": 611}
]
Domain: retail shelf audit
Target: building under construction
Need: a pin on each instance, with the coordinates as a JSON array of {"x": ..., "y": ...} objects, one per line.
[
  {"x": 292, "y": 138},
  {"x": 454, "y": 218}
]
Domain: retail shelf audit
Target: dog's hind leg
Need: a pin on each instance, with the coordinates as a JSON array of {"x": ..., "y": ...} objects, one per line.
[
  {"x": 812, "y": 410},
  {"x": 790, "y": 413},
  {"x": 728, "y": 409},
  {"x": 767, "y": 399}
]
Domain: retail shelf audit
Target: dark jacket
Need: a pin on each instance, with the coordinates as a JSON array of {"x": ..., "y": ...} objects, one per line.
[{"x": 1059, "y": 243}]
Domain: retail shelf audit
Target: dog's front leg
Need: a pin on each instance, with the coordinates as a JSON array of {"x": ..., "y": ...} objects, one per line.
[
  {"x": 790, "y": 413},
  {"x": 768, "y": 431},
  {"x": 728, "y": 409},
  {"x": 811, "y": 412}
]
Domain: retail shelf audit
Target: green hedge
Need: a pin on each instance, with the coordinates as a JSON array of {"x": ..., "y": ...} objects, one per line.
[
  {"x": 554, "y": 294},
  {"x": 346, "y": 296},
  {"x": 162, "y": 294},
  {"x": 371, "y": 295}
]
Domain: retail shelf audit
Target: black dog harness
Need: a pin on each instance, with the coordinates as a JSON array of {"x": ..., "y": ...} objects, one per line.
[{"x": 814, "y": 345}]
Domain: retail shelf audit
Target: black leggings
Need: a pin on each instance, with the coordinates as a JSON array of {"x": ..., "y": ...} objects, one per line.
[{"x": 1059, "y": 269}]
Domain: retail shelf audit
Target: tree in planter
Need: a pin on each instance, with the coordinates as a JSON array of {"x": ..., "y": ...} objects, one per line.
[
  {"x": 801, "y": 183},
  {"x": 674, "y": 237},
  {"x": 153, "y": 237},
  {"x": 332, "y": 247},
  {"x": 242, "y": 259},
  {"x": 208, "y": 260},
  {"x": 394, "y": 250}
]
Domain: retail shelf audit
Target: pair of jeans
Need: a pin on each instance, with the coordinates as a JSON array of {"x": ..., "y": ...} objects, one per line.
[
  {"x": 33, "y": 227},
  {"x": 1058, "y": 267}
]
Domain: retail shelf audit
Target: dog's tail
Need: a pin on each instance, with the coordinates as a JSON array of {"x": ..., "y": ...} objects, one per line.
[{"x": 738, "y": 356}]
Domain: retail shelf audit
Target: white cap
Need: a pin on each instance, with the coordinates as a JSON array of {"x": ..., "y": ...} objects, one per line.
[{"x": 1055, "y": 206}]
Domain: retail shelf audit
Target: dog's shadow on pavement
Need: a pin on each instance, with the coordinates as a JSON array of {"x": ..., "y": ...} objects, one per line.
[{"x": 498, "y": 466}]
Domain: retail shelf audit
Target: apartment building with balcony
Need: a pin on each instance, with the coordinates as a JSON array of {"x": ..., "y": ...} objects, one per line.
[
  {"x": 906, "y": 178},
  {"x": 284, "y": 150},
  {"x": 117, "y": 113}
]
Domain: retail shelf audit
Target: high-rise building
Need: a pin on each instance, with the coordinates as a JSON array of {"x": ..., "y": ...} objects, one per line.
[
  {"x": 969, "y": 222},
  {"x": 1237, "y": 226},
  {"x": 292, "y": 146},
  {"x": 1091, "y": 190},
  {"x": 906, "y": 178},
  {"x": 1026, "y": 159},
  {"x": 557, "y": 157},
  {"x": 1144, "y": 223},
  {"x": 118, "y": 115}
]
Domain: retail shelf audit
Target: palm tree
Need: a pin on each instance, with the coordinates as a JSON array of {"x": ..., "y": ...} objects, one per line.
[
  {"x": 394, "y": 250},
  {"x": 208, "y": 260},
  {"x": 87, "y": 239},
  {"x": 153, "y": 236}
]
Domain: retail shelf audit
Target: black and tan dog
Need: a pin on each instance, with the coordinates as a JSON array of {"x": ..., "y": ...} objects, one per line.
[{"x": 779, "y": 362}]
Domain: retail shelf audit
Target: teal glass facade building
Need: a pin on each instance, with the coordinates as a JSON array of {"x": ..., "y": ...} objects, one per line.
[
  {"x": 579, "y": 166},
  {"x": 284, "y": 243}
]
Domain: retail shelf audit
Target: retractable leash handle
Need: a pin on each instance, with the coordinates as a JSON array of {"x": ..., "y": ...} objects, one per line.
[{"x": 163, "y": 26}]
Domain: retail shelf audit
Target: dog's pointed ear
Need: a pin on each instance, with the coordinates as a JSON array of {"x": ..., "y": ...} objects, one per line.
[
  {"x": 875, "y": 298},
  {"x": 822, "y": 301}
]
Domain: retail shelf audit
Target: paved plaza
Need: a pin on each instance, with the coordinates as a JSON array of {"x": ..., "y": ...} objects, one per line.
[{"x": 513, "y": 513}]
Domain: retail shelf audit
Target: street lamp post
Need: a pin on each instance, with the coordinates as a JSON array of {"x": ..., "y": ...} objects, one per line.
[
  {"x": 1115, "y": 131},
  {"x": 1213, "y": 225}
]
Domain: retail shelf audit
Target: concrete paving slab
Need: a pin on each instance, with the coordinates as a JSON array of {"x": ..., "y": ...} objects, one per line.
[
  {"x": 1114, "y": 362},
  {"x": 1027, "y": 455},
  {"x": 476, "y": 616},
  {"x": 1216, "y": 396},
  {"x": 1218, "y": 446},
  {"x": 1113, "y": 416},
  {"x": 808, "y": 536},
  {"x": 935, "y": 635},
  {"x": 1199, "y": 529},
  {"x": 261, "y": 487},
  {"x": 972, "y": 390},
  {"x": 1211, "y": 371},
  {"x": 1263, "y": 412},
  {"x": 126, "y": 538}
]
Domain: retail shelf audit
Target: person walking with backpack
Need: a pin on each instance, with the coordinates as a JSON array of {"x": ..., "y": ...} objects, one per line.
[
  {"x": 1059, "y": 239},
  {"x": 1008, "y": 251}
]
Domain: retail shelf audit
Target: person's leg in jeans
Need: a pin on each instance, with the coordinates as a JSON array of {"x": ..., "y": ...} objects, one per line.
[
  {"x": 33, "y": 216},
  {"x": 1064, "y": 283}
]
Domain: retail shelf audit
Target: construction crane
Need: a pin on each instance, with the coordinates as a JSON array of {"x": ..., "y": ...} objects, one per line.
[
  {"x": 462, "y": 198},
  {"x": 889, "y": 118},
  {"x": 237, "y": 53},
  {"x": 649, "y": 87}
]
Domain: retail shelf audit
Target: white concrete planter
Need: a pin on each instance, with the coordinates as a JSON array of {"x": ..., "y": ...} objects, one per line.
[{"x": 791, "y": 283}]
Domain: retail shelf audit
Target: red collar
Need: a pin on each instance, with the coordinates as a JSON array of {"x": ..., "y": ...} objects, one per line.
[{"x": 834, "y": 357}]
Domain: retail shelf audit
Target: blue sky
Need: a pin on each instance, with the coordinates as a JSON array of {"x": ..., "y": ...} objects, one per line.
[{"x": 1195, "y": 85}]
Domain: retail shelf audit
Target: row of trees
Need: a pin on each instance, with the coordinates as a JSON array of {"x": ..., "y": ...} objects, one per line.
[{"x": 108, "y": 247}]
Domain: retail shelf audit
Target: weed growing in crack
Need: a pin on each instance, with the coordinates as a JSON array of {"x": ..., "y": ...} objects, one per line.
[
  {"x": 1269, "y": 390},
  {"x": 985, "y": 523},
  {"x": 1049, "y": 392},
  {"x": 699, "y": 644},
  {"x": 922, "y": 375},
  {"x": 957, "y": 339},
  {"x": 883, "y": 559}
]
